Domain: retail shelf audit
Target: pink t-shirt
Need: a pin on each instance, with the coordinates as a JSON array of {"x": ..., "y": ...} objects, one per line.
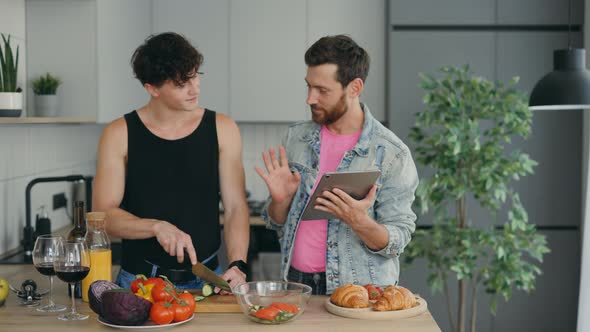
[{"x": 309, "y": 251}]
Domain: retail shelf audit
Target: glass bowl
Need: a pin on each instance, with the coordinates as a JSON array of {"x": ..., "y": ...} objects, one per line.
[{"x": 272, "y": 302}]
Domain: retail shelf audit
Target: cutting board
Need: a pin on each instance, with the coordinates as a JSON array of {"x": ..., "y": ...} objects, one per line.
[{"x": 217, "y": 303}]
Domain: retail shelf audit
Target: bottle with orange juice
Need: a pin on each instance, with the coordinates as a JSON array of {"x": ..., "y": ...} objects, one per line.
[{"x": 99, "y": 246}]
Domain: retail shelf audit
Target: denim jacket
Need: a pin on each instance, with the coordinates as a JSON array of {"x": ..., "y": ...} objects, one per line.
[{"x": 348, "y": 259}]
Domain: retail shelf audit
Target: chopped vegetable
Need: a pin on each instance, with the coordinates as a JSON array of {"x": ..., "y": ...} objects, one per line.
[
  {"x": 275, "y": 313},
  {"x": 208, "y": 290},
  {"x": 199, "y": 298},
  {"x": 286, "y": 307},
  {"x": 268, "y": 313}
]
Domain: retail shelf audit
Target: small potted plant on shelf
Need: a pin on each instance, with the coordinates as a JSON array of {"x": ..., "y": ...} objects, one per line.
[
  {"x": 11, "y": 99},
  {"x": 45, "y": 88}
]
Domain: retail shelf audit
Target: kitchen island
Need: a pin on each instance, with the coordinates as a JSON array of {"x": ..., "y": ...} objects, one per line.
[{"x": 17, "y": 318}]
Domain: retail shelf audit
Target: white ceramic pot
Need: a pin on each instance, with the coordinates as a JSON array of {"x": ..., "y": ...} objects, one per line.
[
  {"x": 11, "y": 104},
  {"x": 46, "y": 105}
]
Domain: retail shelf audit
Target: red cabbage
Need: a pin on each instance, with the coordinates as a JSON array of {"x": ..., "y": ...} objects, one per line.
[
  {"x": 121, "y": 307},
  {"x": 95, "y": 291}
]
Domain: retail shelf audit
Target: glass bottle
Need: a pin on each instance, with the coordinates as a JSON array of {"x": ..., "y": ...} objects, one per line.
[
  {"x": 99, "y": 245},
  {"x": 78, "y": 233}
]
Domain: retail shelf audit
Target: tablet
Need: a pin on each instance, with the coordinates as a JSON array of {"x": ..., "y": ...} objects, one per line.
[{"x": 356, "y": 184}]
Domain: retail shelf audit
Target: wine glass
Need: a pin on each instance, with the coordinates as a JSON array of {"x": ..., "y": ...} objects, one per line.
[
  {"x": 72, "y": 265},
  {"x": 44, "y": 254}
]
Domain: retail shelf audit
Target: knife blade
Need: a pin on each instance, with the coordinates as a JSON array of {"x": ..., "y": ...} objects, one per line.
[{"x": 206, "y": 274}]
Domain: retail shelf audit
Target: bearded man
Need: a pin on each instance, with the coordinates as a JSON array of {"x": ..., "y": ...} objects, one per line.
[{"x": 363, "y": 243}]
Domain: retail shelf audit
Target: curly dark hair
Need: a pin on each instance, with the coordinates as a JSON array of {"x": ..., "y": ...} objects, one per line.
[
  {"x": 352, "y": 60},
  {"x": 166, "y": 56}
]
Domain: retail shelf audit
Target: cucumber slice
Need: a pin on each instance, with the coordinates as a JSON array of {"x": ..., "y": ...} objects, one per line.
[
  {"x": 199, "y": 298},
  {"x": 208, "y": 290}
]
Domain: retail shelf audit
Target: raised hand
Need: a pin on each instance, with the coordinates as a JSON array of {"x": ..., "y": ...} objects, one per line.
[{"x": 281, "y": 183}]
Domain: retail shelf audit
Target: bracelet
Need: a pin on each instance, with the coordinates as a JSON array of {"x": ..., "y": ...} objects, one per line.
[{"x": 240, "y": 264}]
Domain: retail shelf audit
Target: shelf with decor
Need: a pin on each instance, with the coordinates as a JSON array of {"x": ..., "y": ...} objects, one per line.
[{"x": 10, "y": 120}]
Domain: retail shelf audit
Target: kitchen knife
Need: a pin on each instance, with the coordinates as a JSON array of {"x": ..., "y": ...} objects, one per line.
[{"x": 206, "y": 274}]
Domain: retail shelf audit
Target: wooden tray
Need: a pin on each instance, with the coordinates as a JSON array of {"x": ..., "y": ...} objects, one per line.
[{"x": 369, "y": 313}]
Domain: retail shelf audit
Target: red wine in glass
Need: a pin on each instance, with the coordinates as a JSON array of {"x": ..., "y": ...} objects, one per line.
[
  {"x": 73, "y": 274},
  {"x": 72, "y": 265},
  {"x": 44, "y": 256},
  {"x": 45, "y": 269}
]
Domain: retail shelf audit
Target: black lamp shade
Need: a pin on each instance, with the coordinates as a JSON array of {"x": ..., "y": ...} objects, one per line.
[{"x": 567, "y": 87}]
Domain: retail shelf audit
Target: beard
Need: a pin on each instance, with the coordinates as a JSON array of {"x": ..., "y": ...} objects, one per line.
[{"x": 326, "y": 116}]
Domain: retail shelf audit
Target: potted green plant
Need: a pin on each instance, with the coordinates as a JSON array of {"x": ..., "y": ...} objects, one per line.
[
  {"x": 11, "y": 99},
  {"x": 45, "y": 89},
  {"x": 461, "y": 137}
]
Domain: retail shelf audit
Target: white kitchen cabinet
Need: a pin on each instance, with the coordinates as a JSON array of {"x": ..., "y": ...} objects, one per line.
[
  {"x": 253, "y": 51},
  {"x": 365, "y": 22},
  {"x": 267, "y": 70},
  {"x": 88, "y": 44},
  {"x": 121, "y": 27},
  {"x": 206, "y": 24}
]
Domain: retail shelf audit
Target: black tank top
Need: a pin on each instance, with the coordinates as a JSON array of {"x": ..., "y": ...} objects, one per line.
[{"x": 176, "y": 181}]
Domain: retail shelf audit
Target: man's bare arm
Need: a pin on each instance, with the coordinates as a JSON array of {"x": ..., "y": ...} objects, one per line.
[{"x": 233, "y": 191}]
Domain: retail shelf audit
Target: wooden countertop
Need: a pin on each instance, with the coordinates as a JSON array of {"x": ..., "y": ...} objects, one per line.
[{"x": 16, "y": 318}]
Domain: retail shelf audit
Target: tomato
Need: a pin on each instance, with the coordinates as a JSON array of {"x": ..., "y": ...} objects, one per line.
[
  {"x": 162, "y": 313},
  {"x": 154, "y": 280},
  {"x": 267, "y": 313},
  {"x": 163, "y": 292},
  {"x": 189, "y": 299},
  {"x": 374, "y": 292},
  {"x": 286, "y": 307},
  {"x": 182, "y": 312}
]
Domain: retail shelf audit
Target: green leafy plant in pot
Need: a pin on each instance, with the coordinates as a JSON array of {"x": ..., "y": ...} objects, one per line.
[
  {"x": 11, "y": 100},
  {"x": 45, "y": 89},
  {"x": 461, "y": 138}
]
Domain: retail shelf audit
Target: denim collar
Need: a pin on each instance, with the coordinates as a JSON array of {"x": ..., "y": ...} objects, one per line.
[{"x": 362, "y": 146}]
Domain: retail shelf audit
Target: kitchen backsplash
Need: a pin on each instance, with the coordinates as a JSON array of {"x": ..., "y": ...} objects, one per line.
[{"x": 32, "y": 151}]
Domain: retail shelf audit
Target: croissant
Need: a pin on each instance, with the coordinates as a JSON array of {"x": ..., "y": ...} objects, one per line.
[
  {"x": 395, "y": 298},
  {"x": 351, "y": 296}
]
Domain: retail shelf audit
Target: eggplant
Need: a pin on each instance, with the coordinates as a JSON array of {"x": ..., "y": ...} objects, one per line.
[
  {"x": 95, "y": 291},
  {"x": 121, "y": 307}
]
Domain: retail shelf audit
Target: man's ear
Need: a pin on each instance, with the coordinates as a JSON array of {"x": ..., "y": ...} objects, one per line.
[
  {"x": 152, "y": 90},
  {"x": 356, "y": 87}
]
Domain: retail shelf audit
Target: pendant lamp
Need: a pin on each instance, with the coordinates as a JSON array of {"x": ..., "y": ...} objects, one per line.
[{"x": 567, "y": 87}]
